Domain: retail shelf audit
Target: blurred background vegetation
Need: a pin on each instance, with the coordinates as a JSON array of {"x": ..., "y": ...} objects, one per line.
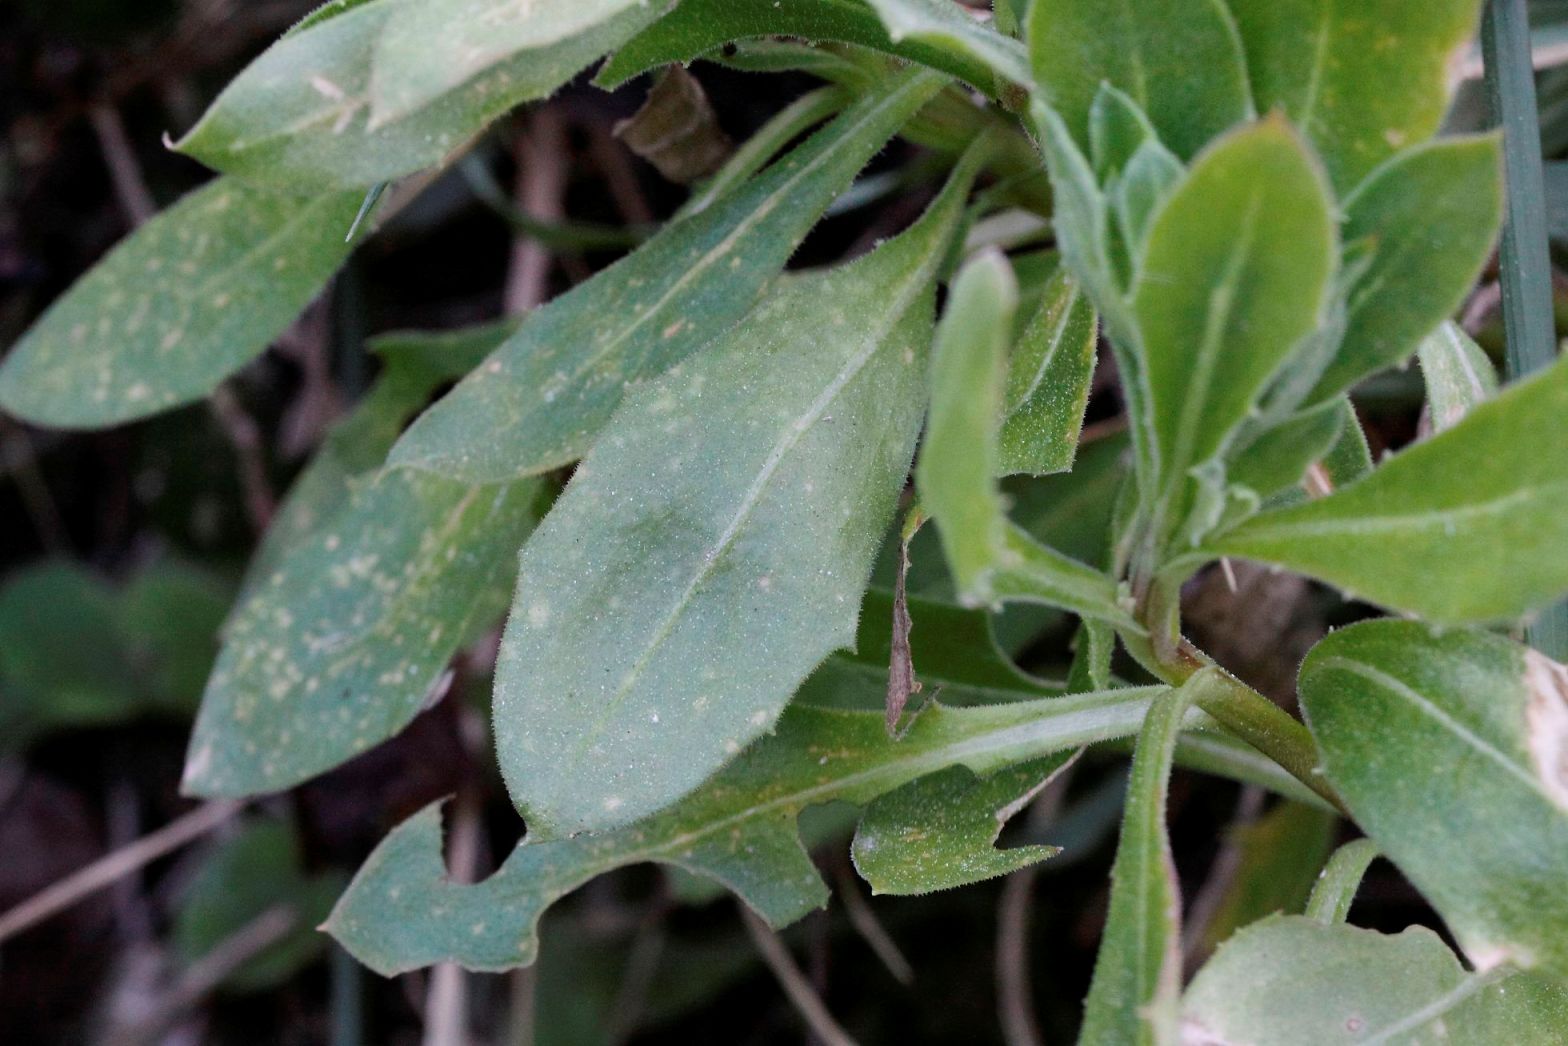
[{"x": 123, "y": 550}]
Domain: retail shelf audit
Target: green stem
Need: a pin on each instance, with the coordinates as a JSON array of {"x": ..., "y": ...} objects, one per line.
[
  {"x": 1240, "y": 709},
  {"x": 1336, "y": 887}
]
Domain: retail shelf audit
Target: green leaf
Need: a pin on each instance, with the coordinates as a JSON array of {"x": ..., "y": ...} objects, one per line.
[
  {"x": 1484, "y": 500},
  {"x": 176, "y": 307},
  {"x": 1336, "y": 888},
  {"x": 431, "y": 49},
  {"x": 951, "y": 28},
  {"x": 401, "y": 912},
  {"x": 940, "y": 832},
  {"x": 415, "y": 364},
  {"x": 696, "y": 27},
  {"x": 1295, "y": 982},
  {"x": 1279, "y": 457},
  {"x": 959, "y": 459},
  {"x": 541, "y": 399},
  {"x": 1458, "y": 375},
  {"x": 238, "y": 880},
  {"x": 385, "y": 88},
  {"x": 1137, "y": 973},
  {"x": 1451, "y": 750},
  {"x": 1049, "y": 373},
  {"x": 1428, "y": 219},
  {"x": 1179, "y": 60},
  {"x": 1238, "y": 269},
  {"x": 1279, "y": 858},
  {"x": 1362, "y": 78},
  {"x": 713, "y": 547},
  {"x": 1292, "y": 981},
  {"x": 347, "y": 640}
]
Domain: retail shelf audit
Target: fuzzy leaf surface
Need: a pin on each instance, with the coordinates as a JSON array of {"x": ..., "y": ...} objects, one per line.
[
  {"x": 1362, "y": 78},
  {"x": 713, "y": 547},
  {"x": 179, "y": 305},
  {"x": 1458, "y": 375},
  {"x": 543, "y": 396},
  {"x": 1451, "y": 750},
  {"x": 1048, "y": 378},
  {"x": 1465, "y": 526},
  {"x": 401, "y": 912},
  {"x": 360, "y": 98},
  {"x": 1292, "y": 981},
  {"x": 1179, "y": 60},
  {"x": 950, "y": 27}
]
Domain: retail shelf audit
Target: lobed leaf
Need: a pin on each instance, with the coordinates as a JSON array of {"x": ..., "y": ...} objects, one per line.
[
  {"x": 179, "y": 305},
  {"x": 1465, "y": 526},
  {"x": 382, "y": 89},
  {"x": 1427, "y": 220},
  {"x": 1362, "y": 78},
  {"x": 1449, "y": 749},
  {"x": 347, "y": 640},
  {"x": 1292, "y": 981},
  {"x": 713, "y": 547},
  {"x": 401, "y": 912},
  {"x": 1179, "y": 60},
  {"x": 939, "y": 832},
  {"x": 541, "y": 399}
]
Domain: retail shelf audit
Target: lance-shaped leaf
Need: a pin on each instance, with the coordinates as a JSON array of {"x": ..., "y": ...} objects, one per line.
[
  {"x": 542, "y": 397},
  {"x": 1048, "y": 378},
  {"x": 1137, "y": 973},
  {"x": 179, "y": 305},
  {"x": 1465, "y": 526},
  {"x": 361, "y": 97},
  {"x": 697, "y": 27},
  {"x": 1237, "y": 272},
  {"x": 1451, "y": 750},
  {"x": 1362, "y": 78},
  {"x": 1426, "y": 220},
  {"x": 1292, "y": 981},
  {"x": 959, "y": 460},
  {"x": 414, "y": 365},
  {"x": 430, "y": 49},
  {"x": 1279, "y": 457},
  {"x": 348, "y": 639},
  {"x": 401, "y": 912},
  {"x": 713, "y": 547},
  {"x": 1458, "y": 375},
  {"x": 940, "y": 832},
  {"x": 950, "y": 27},
  {"x": 1179, "y": 60}
]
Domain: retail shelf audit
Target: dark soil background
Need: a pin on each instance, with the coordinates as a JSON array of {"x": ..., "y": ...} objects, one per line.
[{"x": 87, "y": 90}]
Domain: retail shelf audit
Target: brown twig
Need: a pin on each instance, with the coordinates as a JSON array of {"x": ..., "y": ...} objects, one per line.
[
  {"x": 1014, "y": 916},
  {"x": 446, "y": 999},
  {"x": 125, "y": 173},
  {"x": 794, "y": 983},
  {"x": 244, "y": 436},
  {"x": 112, "y": 866},
  {"x": 864, "y": 922},
  {"x": 540, "y": 192}
]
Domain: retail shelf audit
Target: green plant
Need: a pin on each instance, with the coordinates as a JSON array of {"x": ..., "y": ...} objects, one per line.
[{"x": 1247, "y": 198}]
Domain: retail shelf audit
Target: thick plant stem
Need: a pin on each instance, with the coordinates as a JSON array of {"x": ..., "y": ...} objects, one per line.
[{"x": 1242, "y": 710}]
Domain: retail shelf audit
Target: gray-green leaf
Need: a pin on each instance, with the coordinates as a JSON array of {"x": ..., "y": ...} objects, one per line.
[
  {"x": 1458, "y": 375},
  {"x": 949, "y": 27},
  {"x": 1427, "y": 220},
  {"x": 1465, "y": 526},
  {"x": 940, "y": 832},
  {"x": 1362, "y": 78},
  {"x": 1292, "y": 981},
  {"x": 712, "y": 548},
  {"x": 179, "y": 305},
  {"x": 1180, "y": 60},
  {"x": 401, "y": 912},
  {"x": 1237, "y": 273},
  {"x": 1049, "y": 373},
  {"x": 348, "y": 639},
  {"x": 1451, "y": 750},
  {"x": 362, "y": 97},
  {"x": 542, "y": 397}
]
